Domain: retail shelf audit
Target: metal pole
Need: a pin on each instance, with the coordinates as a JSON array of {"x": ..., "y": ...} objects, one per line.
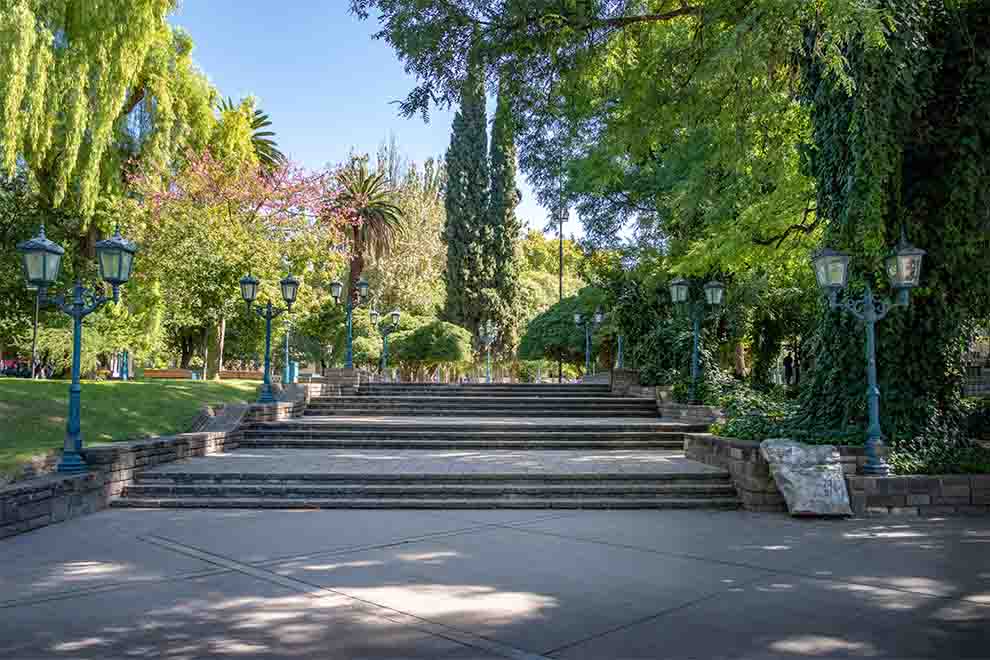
[
  {"x": 694, "y": 356},
  {"x": 286, "y": 375},
  {"x": 488, "y": 364},
  {"x": 618, "y": 364},
  {"x": 587, "y": 348},
  {"x": 72, "y": 461},
  {"x": 349, "y": 354},
  {"x": 384, "y": 353},
  {"x": 875, "y": 463},
  {"x": 34, "y": 338},
  {"x": 266, "y": 387},
  {"x": 560, "y": 274}
]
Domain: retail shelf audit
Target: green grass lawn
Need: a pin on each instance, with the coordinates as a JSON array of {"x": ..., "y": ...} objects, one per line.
[{"x": 33, "y": 413}]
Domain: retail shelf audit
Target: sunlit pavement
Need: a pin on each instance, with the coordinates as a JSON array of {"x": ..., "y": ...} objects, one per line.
[{"x": 489, "y": 584}]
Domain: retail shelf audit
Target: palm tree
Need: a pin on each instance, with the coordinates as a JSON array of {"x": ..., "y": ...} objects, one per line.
[
  {"x": 367, "y": 196},
  {"x": 265, "y": 147}
]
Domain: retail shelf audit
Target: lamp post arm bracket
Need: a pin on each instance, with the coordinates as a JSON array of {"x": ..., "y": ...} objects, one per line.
[
  {"x": 855, "y": 307},
  {"x": 95, "y": 303}
]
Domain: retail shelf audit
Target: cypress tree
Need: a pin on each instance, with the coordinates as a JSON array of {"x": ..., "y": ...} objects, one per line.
[
  {"x": 466, "y": 203},
  {"x": 503, "y": 225}
]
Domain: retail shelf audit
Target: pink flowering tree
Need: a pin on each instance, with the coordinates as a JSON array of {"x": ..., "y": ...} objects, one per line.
[{"x": 204, "y": 227}]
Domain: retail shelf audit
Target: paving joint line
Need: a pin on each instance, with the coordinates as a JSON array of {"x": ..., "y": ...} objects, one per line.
[
  {"x": 771, "y": 571},
  {"x": 102, "y": 588},
  {"x": 117, "y": 586},
  {"x": 651, "y": 617},
  {"x": 374, "y": 546},
  {"x": 372, "y": 608}
]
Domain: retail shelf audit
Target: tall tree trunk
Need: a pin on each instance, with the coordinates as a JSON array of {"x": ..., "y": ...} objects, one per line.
[
  {"x": 223, "y": 337},
  {"x": 216, "y": 338},
  {"x": 206, "y": 350},
  {"x": 357, "y": 265},
  {"x": 186, "y": 354},
  {"x": 739, "y": 360}
]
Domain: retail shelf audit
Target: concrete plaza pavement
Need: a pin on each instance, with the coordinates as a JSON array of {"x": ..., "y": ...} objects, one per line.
[{"x": 490, "y": 584}]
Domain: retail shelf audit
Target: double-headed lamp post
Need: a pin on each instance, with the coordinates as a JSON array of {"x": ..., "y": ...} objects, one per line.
[
  {"x": 904, "y": 271},
  {"x": 488, "y": 333},
  {"x": 698, "y": 311},
  {"x": 385, "y": 329},
  {"x": 249, "y": 292},
  {"x": 589, "y": 325},
  {"x": 42, "y": 260},
  {"x": 336, "y": 289}
]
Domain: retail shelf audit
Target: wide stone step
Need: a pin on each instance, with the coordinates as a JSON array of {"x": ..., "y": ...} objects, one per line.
[
  {"x": 175, "y": 477},
  {"x": 485, "y": 402},
  {"x": 432, "y": 491},
  {"x": 282, "y": 442},
  {"x": 429, "y": 411},
  {"x": 332, "y": 432},
  {"x": 374, "y": 426},
  {"x": 417, "y": 503},
  {"x": 518, "y": 387},
  {"x": 500, "y": 394}
]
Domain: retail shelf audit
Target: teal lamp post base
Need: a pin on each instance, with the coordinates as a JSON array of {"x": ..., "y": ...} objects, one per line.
[
  {"x": 268, "y": 313},
  {"x": 265, "y": 395},
  {"x": 71, "y": 463}
]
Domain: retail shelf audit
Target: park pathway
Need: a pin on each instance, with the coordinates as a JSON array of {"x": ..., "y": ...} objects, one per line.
[{"x": 432, "y": 446}]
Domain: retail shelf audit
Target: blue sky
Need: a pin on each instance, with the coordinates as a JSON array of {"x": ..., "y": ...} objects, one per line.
[{"x": 327, "y": 85}]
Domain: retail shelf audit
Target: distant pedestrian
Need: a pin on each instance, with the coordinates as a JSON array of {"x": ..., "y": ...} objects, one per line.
[{"x": 788, "y": 369}]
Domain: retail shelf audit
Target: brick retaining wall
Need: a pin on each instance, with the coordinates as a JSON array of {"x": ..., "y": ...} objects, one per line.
[
  {"x": 868, "y": 495},
  {"x": 49, "y": 499},
  {"x": 750, "y": 473},
  {"x": 683, "y": 412},
  {"x": 920, "y": 495},
  {"x": 344, "y": 382}
]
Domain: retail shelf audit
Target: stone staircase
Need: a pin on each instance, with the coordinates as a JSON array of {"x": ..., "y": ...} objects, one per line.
[
  {"x": 447, "y": 447},
  {"x": 424, "y": 400}
]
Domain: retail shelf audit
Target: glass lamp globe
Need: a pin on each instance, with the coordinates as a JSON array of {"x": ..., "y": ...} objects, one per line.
[
  {"x": 374, "y": 316},
  {"x": 578, "y": 318},
  {"x": 904, "y": 265},
  {"x": 396, "y": 314},
  {"x": 599, "y": 317},
  {"x": 362, "y": 287},
  {"x": 290, "y": 289},
  {"x": 831, "y": 269},
  {"x": 115, "y": 257},
  {"x": 249, "y": 288},
  {"x": 714, "y": 293},
  {"x": 336, "y": 288},
  {"x": 41, "y": 259},
  {"x": 679, "y": 290}
]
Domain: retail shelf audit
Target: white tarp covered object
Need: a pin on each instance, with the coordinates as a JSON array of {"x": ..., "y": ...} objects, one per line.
[{"x": 809, "y": 476}]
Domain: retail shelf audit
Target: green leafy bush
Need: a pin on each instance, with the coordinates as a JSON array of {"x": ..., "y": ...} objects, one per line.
[{"x": 927, "y": 456}]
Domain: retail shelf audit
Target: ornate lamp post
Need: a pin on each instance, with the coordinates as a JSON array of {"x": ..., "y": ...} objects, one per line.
[
  {"x": 488, "y": 333},
  {"x": 34, "y": 336},
  {"x": 590, "y": 325},
  {"x": 904, "y": 271},
  {"x": 42, "y": 260},
  {"x": 697, "y": 311},
  {"x": 336, "y": 288},
  {"x": 385, "y": 329},
  {"x": 287, "y": 367},
  {"x": 249, "y": 292}
]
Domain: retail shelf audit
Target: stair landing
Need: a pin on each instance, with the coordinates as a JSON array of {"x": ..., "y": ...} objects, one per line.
[{"x": 435, "y": 462}]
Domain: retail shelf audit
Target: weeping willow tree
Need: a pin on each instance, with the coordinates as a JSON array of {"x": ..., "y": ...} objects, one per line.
[{"x": 89, "y": 90}]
